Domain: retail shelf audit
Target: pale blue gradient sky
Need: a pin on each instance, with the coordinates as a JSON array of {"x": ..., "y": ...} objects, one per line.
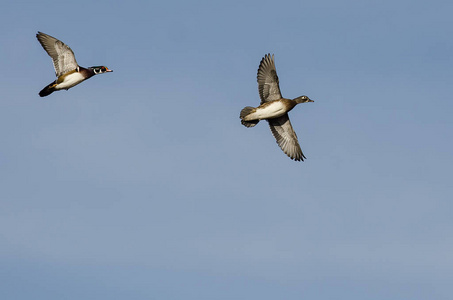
[{"x": 143, "y": 184}]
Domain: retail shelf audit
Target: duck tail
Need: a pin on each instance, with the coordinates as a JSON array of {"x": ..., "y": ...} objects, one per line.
[
  {"x": 47, "y": 90},
  {"x": 244, "y": 113}
]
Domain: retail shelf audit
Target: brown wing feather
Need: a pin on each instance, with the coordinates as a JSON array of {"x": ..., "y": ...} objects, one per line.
[
  {"x": 267, "y": 78},
  {"x": 286, "y": 137},
  {"x": 62, "y": 56}
]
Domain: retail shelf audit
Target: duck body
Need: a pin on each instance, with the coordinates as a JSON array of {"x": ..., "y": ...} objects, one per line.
[
  {"x": 268, "y": 110},
  {"x": 68, "y": 72},
  {"x": 72, "y": 78},
  {"x": 274, "y": 108},
  {"x": 67, "y": 81}
]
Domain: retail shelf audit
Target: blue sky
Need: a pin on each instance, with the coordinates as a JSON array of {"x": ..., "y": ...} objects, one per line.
[{"x": 143, "y": 184}]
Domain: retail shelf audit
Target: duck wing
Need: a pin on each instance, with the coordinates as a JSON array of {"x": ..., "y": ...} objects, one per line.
[
  {"x": 62, "y": 56},
  {"x": 286, "y": 138},
  {"x": 267, "y": 78}
]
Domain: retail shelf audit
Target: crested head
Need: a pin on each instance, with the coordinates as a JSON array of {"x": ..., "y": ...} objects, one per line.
[
  {"x": 302, "y": 99},
  {"x": 100, "y": 69}
]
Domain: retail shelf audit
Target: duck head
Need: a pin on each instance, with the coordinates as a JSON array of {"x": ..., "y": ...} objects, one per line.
[
  {"x": 100, "y": 70},
  {"x": 302, "y": 99}
]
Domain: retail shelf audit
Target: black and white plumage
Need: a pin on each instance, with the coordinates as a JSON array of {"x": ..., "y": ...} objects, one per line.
[
  {"x": 68, "y": 72},
  {"x": 274, "y": 108}
]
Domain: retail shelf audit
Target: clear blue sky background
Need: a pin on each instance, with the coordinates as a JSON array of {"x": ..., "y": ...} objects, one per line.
[{"x": 143, "y": 184}]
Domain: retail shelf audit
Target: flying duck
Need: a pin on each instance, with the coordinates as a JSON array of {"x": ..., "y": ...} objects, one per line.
[
  {"x": 68, "y": 72},
  {"x": 274, "y": 108}
]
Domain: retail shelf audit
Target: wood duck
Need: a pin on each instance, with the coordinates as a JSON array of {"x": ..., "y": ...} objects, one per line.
[
  {"x": 274, "y": 108},
  {"x": 68, "y": 72}
]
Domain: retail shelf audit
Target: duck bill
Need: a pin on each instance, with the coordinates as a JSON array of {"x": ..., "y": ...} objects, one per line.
[{"x": 108, "y": 70}]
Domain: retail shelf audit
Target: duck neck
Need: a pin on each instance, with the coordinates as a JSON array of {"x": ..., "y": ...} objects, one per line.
[{"x": 87, "y": 72}]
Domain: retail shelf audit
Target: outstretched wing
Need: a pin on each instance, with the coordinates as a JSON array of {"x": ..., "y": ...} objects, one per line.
[
  {"x": 62, "y": 56},
  {"x": 286, "y": 137},
  {"x": 268, "y": 80}
]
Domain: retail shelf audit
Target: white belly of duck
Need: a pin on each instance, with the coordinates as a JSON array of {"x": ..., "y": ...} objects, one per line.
[
  {"x": 70, "y": 80},
  {"x": 268, "y": 110}
]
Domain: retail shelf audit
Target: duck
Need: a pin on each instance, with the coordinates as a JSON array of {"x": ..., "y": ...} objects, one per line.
[
  {"x": 274, "y": 108},
  {"x": 68, "y": 72}
]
